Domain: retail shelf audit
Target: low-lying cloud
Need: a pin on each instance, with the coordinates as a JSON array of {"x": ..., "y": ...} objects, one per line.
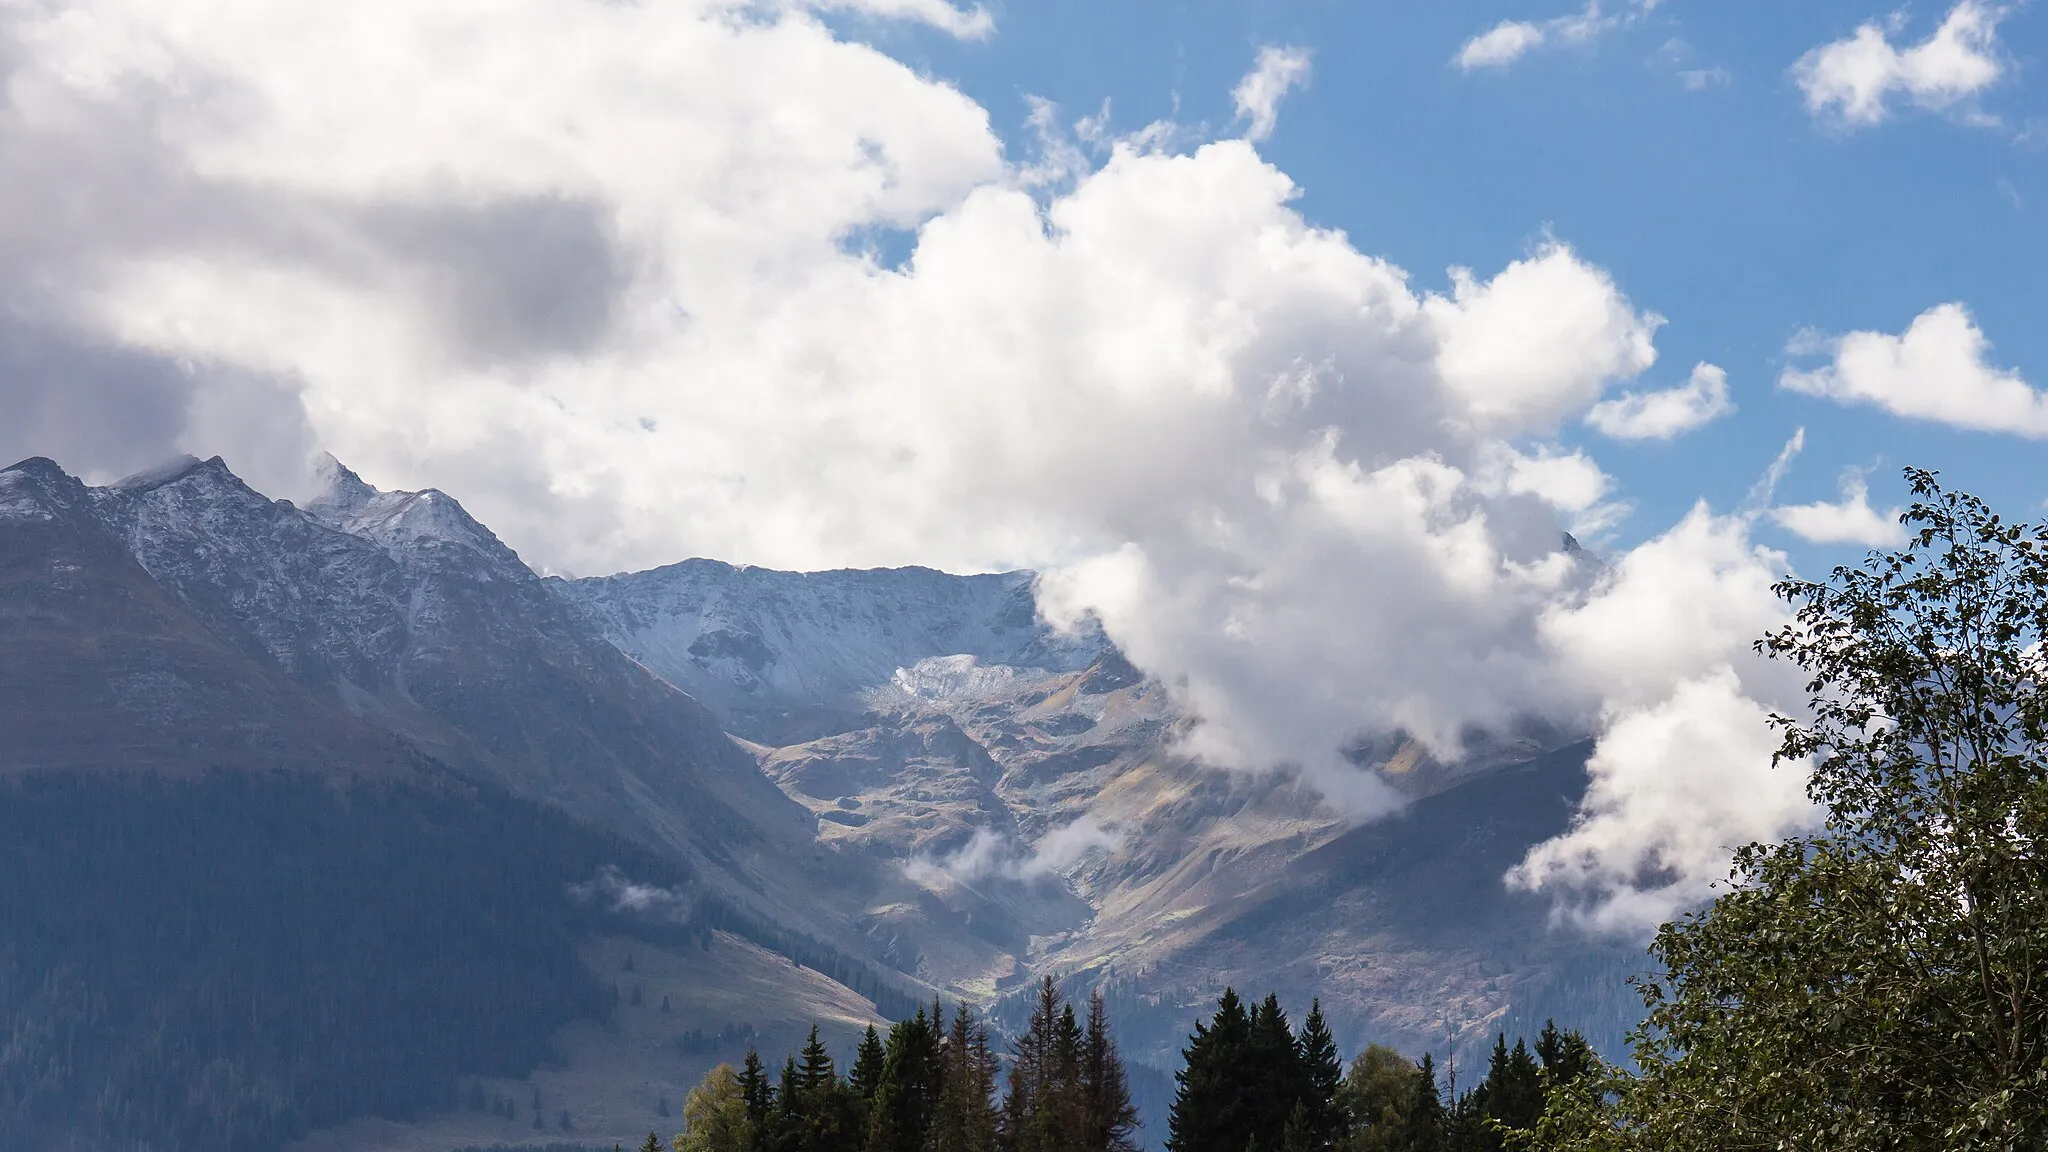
[
  {"x": 992, "y": 855},
  {"x": 609, "y": 272}
]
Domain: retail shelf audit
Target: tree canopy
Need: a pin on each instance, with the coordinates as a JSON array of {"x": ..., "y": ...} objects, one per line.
[{"x": 1883, "y": 981}]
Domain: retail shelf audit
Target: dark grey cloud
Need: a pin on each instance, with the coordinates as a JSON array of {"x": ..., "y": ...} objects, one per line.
[
  {"x": 91, "y": 406},
  {"x": 516, "y": 278}
]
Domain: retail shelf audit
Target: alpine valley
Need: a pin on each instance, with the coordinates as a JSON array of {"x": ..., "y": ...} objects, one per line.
[{"x": 334, "y": 827}]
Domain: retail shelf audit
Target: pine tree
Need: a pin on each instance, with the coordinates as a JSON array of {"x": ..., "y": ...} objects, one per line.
[
  {"x": 817, "y": 1072},
  {"x": 653, "y": 1144},
  {"x": 1209, "y": 1111},
  {"x": 786, "y": 1125},
  {"x": 1108, "y": 1119},
  {"x": 1295, "y": 1136},
  {"x": 814, "y": 1109},
  {"x": 1321, "y": 1082},
  {"x": 1514, "y": 1087}
]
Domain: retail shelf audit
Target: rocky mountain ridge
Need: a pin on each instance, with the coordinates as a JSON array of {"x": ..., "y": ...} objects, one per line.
[{"x": 926, "y": 775}]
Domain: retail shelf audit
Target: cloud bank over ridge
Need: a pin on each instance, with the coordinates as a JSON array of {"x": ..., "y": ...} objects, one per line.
[{"x": 609, "y": 272}]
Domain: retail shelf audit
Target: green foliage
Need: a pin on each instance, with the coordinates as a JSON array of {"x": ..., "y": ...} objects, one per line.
[
  {"x": 1378, "y": 1092},
  {"x": 1210, "y": 1112},
  {"x": 715, "y": 1116},
  {"x": 1043, "y": 1111},
  {"x": 964, "y": 1118},
  {"x": 1323, "y": 1121},
  {"x": 907, "y": 1090},
  {"x": 866, "y": 1075},
  {"x": 1883, "y": 982},
  {"x": 1108, "y": 1119},
  {"x": 934, "y": 1092}
]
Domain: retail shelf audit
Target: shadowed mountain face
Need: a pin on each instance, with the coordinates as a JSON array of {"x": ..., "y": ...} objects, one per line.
[
  {"x": 102, "y": 668},
  {"x": 254, "y": 756},
  {"x": 415, "y": 619}
]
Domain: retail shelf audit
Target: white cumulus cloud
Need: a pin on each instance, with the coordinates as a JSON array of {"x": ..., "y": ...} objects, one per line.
[
  {"x": 1852, "y": 80},
  {"x": 1937, "y": 370},
  {"x": 610, "y": 272},
  {"x": 1277, "y": 72},
  {"x": 1681, "y": 773},
  {"x": 1850, "y": 520},
  {"x": 1660, "y": 415}
]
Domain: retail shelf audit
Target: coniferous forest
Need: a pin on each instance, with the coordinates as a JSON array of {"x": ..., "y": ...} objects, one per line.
[
  {"x": 1250, "y": 1082},
  {"x": 223, "y": 964},
  {"x": 195, "y": 965}
]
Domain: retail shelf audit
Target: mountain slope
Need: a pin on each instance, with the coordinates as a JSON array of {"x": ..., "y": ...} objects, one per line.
[
  {"x": 785, "y": 656},
  {"x": 310, "y": 816},
  {"x": 101, "y": 669},
  {"x": 1030, "y": 787},
  {"x": 414, "y": 616}
]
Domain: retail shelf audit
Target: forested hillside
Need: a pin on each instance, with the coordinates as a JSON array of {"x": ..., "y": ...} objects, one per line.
[{"x": 219, "y": 964}]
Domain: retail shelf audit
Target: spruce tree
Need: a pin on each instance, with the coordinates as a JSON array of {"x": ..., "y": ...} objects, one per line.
[
  {"x": 866, "y": 1074},
  {"x": 965, "y": 1117},
  {"x": 1514, "y": 1087},
  {"x": 1321, "y": 1082},
  {"x": 786, "y": 1125},
  {"x": 1273, "y": 1071},
  {"x": 759, "y": 1097},
  {"x": 1423, "y": 1126},
  {"x": 906, "y": 1088},
  {"x": 1042, "y": 1112},
  {"x": 1209, "y": 1110},
  {"x": 1566, "y": 1056},
  {"x": 1108, "y": 1119},
  {"x": 824, "y": 1105}
]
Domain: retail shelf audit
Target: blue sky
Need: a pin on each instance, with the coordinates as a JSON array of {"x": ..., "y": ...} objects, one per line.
[{"x": 1721, "y": 204}]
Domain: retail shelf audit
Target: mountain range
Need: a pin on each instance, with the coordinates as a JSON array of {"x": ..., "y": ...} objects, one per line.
[{"x": 680, "y": 811}]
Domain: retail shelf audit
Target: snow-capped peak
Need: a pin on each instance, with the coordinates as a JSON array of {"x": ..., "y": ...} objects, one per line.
[
  {"x": 163, "y": 473},
  {"x": 339, "y": 492},
  {"x": 427, "y": 520},
  {"x": 34, "y": 489}
]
